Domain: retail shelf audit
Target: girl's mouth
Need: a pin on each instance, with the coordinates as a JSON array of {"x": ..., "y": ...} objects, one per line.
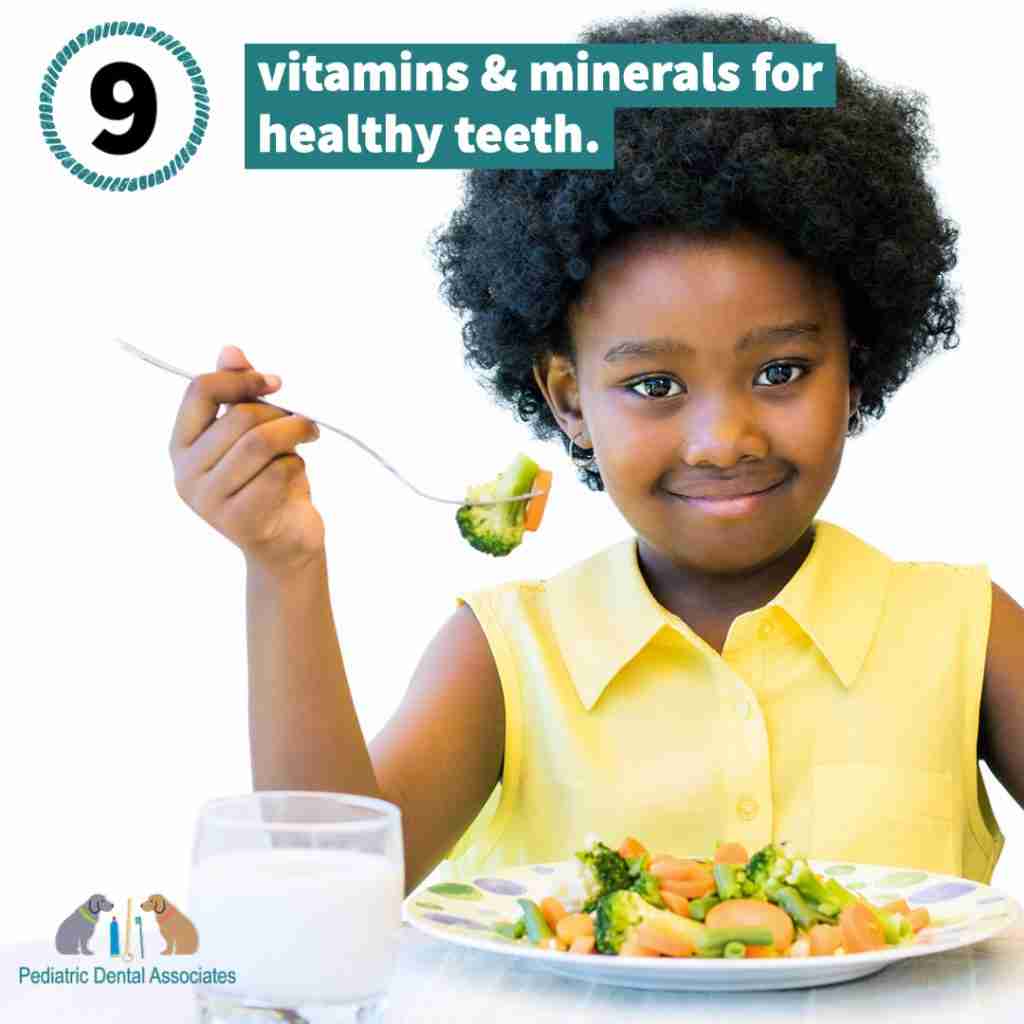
[{"x": 738, "y": 507}]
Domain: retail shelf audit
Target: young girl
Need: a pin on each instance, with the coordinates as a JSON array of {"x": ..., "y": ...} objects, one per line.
[{"x": 702, "y": 326}]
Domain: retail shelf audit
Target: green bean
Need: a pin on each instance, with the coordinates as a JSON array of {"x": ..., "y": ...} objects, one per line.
[
  {"x": 537, "y": 928},
  {"x": 796, "y": 906},
  {"x": 698, "y": 909},
  {"x": 511, "y": 929}
]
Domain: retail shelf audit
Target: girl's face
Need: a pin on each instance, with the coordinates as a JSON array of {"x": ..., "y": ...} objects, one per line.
[{"x": 708, "y": 368}]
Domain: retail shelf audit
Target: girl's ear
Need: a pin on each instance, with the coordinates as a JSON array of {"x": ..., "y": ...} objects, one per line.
[
  {"x": 556, "y": 377},
  {"x": 540, "y": 372}
]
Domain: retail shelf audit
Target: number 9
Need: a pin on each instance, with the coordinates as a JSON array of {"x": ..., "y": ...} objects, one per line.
[{"x": 141, "y": 107}]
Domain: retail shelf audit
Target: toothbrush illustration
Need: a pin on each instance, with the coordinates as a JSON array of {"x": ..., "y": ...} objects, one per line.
[
  {"x": 127, "y": 954},
  {"x": 142, "y": 947}
]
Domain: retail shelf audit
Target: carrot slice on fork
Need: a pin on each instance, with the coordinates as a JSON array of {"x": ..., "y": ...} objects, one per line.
[{"x": 535, "y": 506}]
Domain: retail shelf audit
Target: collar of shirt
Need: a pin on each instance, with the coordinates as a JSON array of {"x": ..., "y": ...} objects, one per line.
[{"x": 604, "y": 614}]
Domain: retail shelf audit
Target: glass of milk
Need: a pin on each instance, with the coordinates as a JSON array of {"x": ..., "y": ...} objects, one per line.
[{"x": 297, "y": 900}]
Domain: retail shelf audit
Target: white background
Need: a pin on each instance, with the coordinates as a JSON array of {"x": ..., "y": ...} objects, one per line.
[{"x": 123, "y": 653}]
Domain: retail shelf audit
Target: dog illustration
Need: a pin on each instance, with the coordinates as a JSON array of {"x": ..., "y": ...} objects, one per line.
[
  {"x": 178, "y": 931},
  {"x": 76, "y": 929}
]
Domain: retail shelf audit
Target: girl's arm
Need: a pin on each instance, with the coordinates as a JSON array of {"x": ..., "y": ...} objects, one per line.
[
  {"x": 303, "y": 729},
  {"x": 1001, "y": 732},
  {"x": 438, "y": 757}
]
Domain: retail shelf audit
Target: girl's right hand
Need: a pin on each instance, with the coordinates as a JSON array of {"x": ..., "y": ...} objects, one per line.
[{"x": 240, "y": 472}]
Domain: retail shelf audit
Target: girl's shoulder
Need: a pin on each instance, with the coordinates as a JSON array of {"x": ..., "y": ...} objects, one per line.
[
  {"x": 565, "y": 602},
  {"x": 942, "y": 579},
  {"x": 844, "y": 546},
  {"x": 963, "y": 589},
  {"x": 599, "y": 568}
]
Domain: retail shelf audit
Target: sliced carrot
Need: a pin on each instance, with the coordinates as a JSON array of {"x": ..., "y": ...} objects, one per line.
[
  {"x": 552, "y": 910},
  {"x": 825, "y": 939},
  {"x": 731, "y": 853},
  {"x": 582, "y": 944},
  {"x": 677, "y": 904},
  {"x": 754, "y": 952},
  {"x": 754, "y": 914},
  {"x": 677, "y": 869},
  {"x": 631, "y": 847},
  {"x": 651, "y": 936},
  {"x": 896, "y": 907},
  {"x": 633, "y": 948},
  {"x": 919, "y": 918},
  {"x": 666, "y": 866},
  {"x": 859, "y": 929},
  {"x": 574, "y": 926},
  {"x": 692, "y": 889},
  {"x": 535, "y": 506}
]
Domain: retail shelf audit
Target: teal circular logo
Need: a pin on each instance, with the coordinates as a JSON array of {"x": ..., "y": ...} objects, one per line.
[{"x": 150, "y": 106}]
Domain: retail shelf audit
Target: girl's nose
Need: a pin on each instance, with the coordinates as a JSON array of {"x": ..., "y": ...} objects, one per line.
[{"x": 721, "y": 434}]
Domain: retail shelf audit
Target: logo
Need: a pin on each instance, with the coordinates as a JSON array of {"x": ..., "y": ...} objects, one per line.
[
  {"x": 87, "y": 932},
  {"x": 76, "y": 931},
  {"x": 123, "y": 106}
]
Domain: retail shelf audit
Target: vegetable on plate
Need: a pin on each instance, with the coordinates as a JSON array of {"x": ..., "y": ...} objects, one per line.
[{"x": 628, "y": 902}]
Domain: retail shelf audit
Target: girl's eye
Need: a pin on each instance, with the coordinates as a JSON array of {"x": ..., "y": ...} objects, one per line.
[
  {"x": 660, "y": 387},
  {"x": 654, "y": 387},
  {"x": 783, "y": 367}
]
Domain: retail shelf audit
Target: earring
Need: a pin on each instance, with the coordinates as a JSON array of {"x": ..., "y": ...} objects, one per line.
[{"x": 580, "y": 460}]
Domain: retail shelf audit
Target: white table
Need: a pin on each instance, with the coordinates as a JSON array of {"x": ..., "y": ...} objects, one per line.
[{"x": 441, "y": 983}]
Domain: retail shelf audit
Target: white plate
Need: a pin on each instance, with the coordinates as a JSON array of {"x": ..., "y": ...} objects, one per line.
[{"x": 963, "y": 913}]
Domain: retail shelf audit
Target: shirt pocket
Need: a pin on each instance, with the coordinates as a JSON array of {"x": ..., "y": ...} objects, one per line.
[{"x": 881, "y": 814}]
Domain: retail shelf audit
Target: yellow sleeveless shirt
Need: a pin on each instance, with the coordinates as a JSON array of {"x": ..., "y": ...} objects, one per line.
[{"x": 841, "y": 716}]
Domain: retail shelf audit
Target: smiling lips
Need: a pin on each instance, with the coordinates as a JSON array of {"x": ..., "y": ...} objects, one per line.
[{"x": 736, "y": 487}]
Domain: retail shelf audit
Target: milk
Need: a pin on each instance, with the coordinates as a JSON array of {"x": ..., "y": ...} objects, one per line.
[{"x": 299, "y": 926}]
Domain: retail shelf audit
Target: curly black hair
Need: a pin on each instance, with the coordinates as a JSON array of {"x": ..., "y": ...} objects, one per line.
[{"x": 842, "y": 189}]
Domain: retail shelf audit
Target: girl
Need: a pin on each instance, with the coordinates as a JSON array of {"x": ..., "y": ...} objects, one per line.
[{"x": 702, "y": 326}]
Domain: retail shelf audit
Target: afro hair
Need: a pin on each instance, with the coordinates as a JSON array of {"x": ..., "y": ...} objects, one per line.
[{"x": 842, "y": 189}]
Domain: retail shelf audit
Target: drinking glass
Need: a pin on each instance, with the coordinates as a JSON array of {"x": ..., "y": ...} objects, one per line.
[{"x": 297, "y": 900}]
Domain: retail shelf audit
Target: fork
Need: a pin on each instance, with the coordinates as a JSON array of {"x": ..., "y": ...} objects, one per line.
[{"x": 355, "y": 440}]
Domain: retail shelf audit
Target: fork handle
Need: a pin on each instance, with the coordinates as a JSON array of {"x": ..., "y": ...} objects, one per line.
[{"x": 355, "y": 440}]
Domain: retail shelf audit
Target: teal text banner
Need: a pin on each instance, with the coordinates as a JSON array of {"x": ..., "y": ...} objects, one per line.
[{"x": 337, "y": 106}]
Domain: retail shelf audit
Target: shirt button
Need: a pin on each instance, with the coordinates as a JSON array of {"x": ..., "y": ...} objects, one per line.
[{"x": 747, "y": 808}]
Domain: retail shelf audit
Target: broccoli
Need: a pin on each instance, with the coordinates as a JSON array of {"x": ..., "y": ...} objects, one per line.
[
  {"x": 498, "y": 529},
  {"x": 789, "y": 882},
  {"x": 604, "y": 871},
  {"x": 829, "y": 897},
  {"x": 770, "y": 863},
  {"x": 620, "y": 913},
  {"x": 731, "y": 882},
  {"x": 644, "y": 883}
]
